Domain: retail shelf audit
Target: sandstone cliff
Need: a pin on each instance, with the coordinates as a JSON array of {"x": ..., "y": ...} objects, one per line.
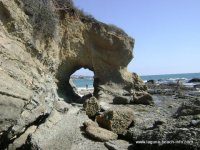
[{"x": 41, "y": 44}]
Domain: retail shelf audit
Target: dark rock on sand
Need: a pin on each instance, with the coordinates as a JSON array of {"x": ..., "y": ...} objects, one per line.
[
  {"x": 194, "y": 80},
  {"x": 84, "y": 98},
  {"x": 117, "y": 120},
  {"x": 151, "y": 81}
]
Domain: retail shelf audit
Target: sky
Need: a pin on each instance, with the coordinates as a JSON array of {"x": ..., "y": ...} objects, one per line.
[{"x": 166, "y": 32}]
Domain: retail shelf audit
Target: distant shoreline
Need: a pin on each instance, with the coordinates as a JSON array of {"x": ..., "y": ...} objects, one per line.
[
  {"x": 170, "y": 74},
  {"x": 83, "y": 81}
]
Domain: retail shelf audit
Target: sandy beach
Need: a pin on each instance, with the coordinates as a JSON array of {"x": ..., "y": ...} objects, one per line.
[{"x": 84, "y": 91}]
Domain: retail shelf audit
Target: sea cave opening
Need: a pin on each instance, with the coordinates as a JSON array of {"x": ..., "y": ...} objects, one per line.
[{"x": 82, "y": 81}]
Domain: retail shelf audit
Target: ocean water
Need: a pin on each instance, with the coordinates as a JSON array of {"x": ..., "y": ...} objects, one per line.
[
  {"x": 162, "y": 78},
  {"x": 171, "y": 76},
  {"x": 83, "y": 82}
]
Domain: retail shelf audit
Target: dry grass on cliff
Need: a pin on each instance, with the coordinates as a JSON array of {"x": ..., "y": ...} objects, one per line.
[
  {"x": 46, "y": 15},
  {"x": 68, "y": 7}
]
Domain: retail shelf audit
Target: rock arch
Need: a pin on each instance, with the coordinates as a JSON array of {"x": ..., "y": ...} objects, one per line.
[
  {"x": 66, "y": 87},
  {"x": 102, "y": 51},
  {"x": 41, "y": 46}
]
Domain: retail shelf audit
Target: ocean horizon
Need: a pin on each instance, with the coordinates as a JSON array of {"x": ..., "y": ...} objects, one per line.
[
  {"x": 81, "y": 83},
  {"x": 168, "y": 76}
]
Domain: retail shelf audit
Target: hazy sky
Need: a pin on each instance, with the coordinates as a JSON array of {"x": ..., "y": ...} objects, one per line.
[{"x": 166, "y": 32}]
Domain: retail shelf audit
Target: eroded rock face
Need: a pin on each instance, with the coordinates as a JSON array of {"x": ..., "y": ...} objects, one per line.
[{"x": 41, "y": 44}]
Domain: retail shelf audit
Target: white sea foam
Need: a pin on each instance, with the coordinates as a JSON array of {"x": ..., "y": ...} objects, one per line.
[
  {"x": 84, "y": 91},
  {"x": 173, "y": 81},
  {"x": 145, "y": 81},
  {"x": 83, "y": 88}
]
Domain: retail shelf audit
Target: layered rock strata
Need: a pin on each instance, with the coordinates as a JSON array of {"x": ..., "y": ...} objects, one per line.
[{"x": 41, "y": 44}]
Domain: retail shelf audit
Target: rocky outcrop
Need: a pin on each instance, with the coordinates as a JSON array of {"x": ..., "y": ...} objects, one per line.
[{"x": 41, "y": 44}]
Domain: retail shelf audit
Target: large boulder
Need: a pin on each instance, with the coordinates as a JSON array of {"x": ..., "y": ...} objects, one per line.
[
  {"x": 117, "y": 119},
  {"x": 90, "y": 123},
  {"x": 142, "y": 98},
  {"x": 122, "y": 100},
  {"x": 100, "y": 134},
  {"x": 91, "y": 106}
]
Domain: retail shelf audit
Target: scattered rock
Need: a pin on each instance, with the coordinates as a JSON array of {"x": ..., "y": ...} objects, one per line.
[
  {"x": 100, "y": 134},
  {"x": 143, "y": 98},
  {"x": 138, "y": 83},
  {"x": 133, "y": 133},
  {"x": 191, "y": 107},
  {"x": 194, "y": 80},
  {"x": 84, "y": 98},
  {"x": 171, "y": 134},
  {"x": 151, "y": 81},
  {"x": 116, "y": 119},
  {"x": 196, "y": 117},
  {"x": 91, "y": 107},
  {"x": 170, "y": 106},
  {"x": 197, "y": 86},
  {"x": 195, "y": 122},
  {"x": 194, "y": 93},
  {"x": 122, "y": 100},
  {"x": 158, "y": 123},
  {"x": 118, "y": 145},
  {"x": 155, "y": 91}
]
